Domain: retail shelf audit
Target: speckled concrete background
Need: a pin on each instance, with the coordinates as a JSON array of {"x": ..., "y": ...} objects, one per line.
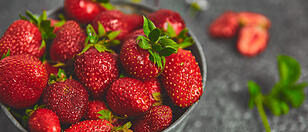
[{"x": 224, "y": 107}]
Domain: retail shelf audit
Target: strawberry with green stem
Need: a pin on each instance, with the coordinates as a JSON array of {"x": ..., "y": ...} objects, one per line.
[
  {"x": 287, "y": 90},
  {"x": 96, "y": 66},
  {"x": 66, "y": 97},
  {"x": 27, "y": 36},
  {"x": 143, "y": 56}
]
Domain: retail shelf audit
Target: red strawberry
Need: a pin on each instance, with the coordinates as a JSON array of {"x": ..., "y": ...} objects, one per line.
[
  {"x": 225, "y": 26},
  {"x": 68, "y": 42},
  {"x": 252, "y": 40},
  {"x": 68, "y": 99},
  {"x": 83, "y": 11},
  {"x": 128, "y": 96},
  {"x": 253, "y": 19},
  {"x": 44, "y": 120},
  {"x": 154, "y": 89},
  {"x": 156, "y": 119},
  {"x": 91, "y": 126},
  {"x": 182, "y": 78},
  {"x": 96, "y": 70},
  {"x": 162, "y": 17},
  {"x": 94, "y": 107},
  {"x": 115, "y": 20},
  {"x": 22, "y": 80},
  {"x": 135, "y": 60},
  {"x": 22, "y": 37}
]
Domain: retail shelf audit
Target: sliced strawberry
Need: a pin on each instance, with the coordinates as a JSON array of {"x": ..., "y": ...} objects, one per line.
[
  {"x": 252, "y": 40},
  {"x": 225, "y": 26},
  {"x": 256, "y": 19}
]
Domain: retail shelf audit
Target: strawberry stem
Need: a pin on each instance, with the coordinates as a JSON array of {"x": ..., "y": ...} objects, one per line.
[{"x": 259, "y": 103}]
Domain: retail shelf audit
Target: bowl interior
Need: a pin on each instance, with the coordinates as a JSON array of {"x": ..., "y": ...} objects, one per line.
[{"x": 179, "y": 114}]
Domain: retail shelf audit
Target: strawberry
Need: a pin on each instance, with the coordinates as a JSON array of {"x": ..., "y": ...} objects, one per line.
[
  {"x": 93, "y": 108},
  {"x": 154, "y": 89},
  {"x": 22, "y": 80},
  {"x": 182, "y": 78},
  {"x": 68, "y": 42},
  {"x": 84, "y": 11},
  {"x": 128, "y": 96},
  {"x": 156, "y": 119},
  {"x": 161, "y": 18},
  {"x": 252, "y": 40},
  {"x": 91, "y": 126},
  {"x": 96, "y": 66},
  {"x": 253, "y": 19},
  {"x": 225, "y": 26},
  {"x": 115, "y": 20},
  {"x": 67, "y": 98},
  {"x": 27, "y": 36},
  {"x": 44, "y": 120},
  {"x": 136, "y": 61}
]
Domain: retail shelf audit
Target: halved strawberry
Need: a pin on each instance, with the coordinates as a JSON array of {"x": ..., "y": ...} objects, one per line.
[
  {"x": 225, "y": 26},
  {"x": 252, "y": 40},
  {"x": 254, "y": 19}
]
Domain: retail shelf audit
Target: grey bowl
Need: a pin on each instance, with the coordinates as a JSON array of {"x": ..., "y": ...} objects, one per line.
[{"x": 196, "y": 49}]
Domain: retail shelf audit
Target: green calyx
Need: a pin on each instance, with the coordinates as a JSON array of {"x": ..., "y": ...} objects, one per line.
[
  {"x": 105, "y": 3},
  {"x": 6, "y": 54},
  {"x": 286, "y": 91},
  {"x": 61, "y": 22},
  {"x": 101, "y": 40},
  {"x": 60, "y": 77},
  {"x": 124, "y": 128},
  {"x": 158, "y": 44},
  {"x": 183, "y": 39},
  {"x": 42, "y": 23}
]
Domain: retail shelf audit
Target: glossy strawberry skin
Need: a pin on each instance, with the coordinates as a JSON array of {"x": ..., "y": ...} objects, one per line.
[
  {"x": 91, "y": 126},
  {"x": 128, "y": 96},
  {"x": 84, "y": 11},
  {"x": 68, "y": 99},
  {"x": 44, "y": 120},
  {"x": 254, "y": 19},
  {"x": 22, "y": 80},
  {"x": 22, "y": 37},
  {"x": 153, "y": 87},
  {"x": 136, "y": 61},
  {"x": 115, "y": 20},
  {"x": 156, "y": 119},
  {"x": 182, "y": 78},
  {"x": 69, "y": 41},
  {"x": 96, "y": 70},
  {"x": 225, "y": 26},
  {"x": 94, "y": 107},
  {"x": 162, "y": 17},
  {"x": 252, "y": 40}
]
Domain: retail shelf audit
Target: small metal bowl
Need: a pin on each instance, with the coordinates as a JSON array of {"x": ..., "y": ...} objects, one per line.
[{"x": 128, "y": 7}]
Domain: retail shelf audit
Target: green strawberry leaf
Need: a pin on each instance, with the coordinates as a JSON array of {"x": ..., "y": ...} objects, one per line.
[
  {"x": 154, "y": 35},
  {"x": 43, "y": 44},
  {"x": 102, "y": 1},
  {"x": 151, "y": 57},
  {"x": 167, "y": 51},
  {"x": 148, "y": 26},
  {"x": 289, "y": 70},
  {"x": 274, "y": 105},
  {"x": 170, "y": 31},
  {"x": 299, "y": 86},
  {"x": 43, "y": 16},
  {"x": 92, "y": 36},
  {"x": 295, "y": 97},
  {"x": 114, "y": 42},
  {"x": 23, "y": 17},
  {"x": 254, "y": 91},
  {"x": 167, "y": 41},
  {"x": 107, "y": 6},
  {"x": 46, "y": 30},
  {"x": 157, "y": 47},
  {"x": 32, "y": 17},
  {"x": 101, "y": 30},
  {"x": 284, "y": 108},
  {"x": 185, "y": 44},
  {"x": 6, "y": 54},
  {"x": 112, "y": 35},
  {"x": 105, "y": 114},
  {"x": 143, "y": 42},
  {"x": 164, "y": 61},
  {"x": 86, "y": 48},
  {"x": 100, "y": 48}
]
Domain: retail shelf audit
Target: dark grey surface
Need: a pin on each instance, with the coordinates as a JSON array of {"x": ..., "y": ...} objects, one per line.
[{"x": 224, "y": 108}]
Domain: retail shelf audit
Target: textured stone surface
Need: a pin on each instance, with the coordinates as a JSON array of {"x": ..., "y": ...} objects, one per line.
[{"x": 224, "y": 107}]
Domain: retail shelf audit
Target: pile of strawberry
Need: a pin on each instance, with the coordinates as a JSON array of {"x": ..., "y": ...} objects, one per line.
[
  {"x": 100, "y": 70},
  {"x": 253, "y": 34}
]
